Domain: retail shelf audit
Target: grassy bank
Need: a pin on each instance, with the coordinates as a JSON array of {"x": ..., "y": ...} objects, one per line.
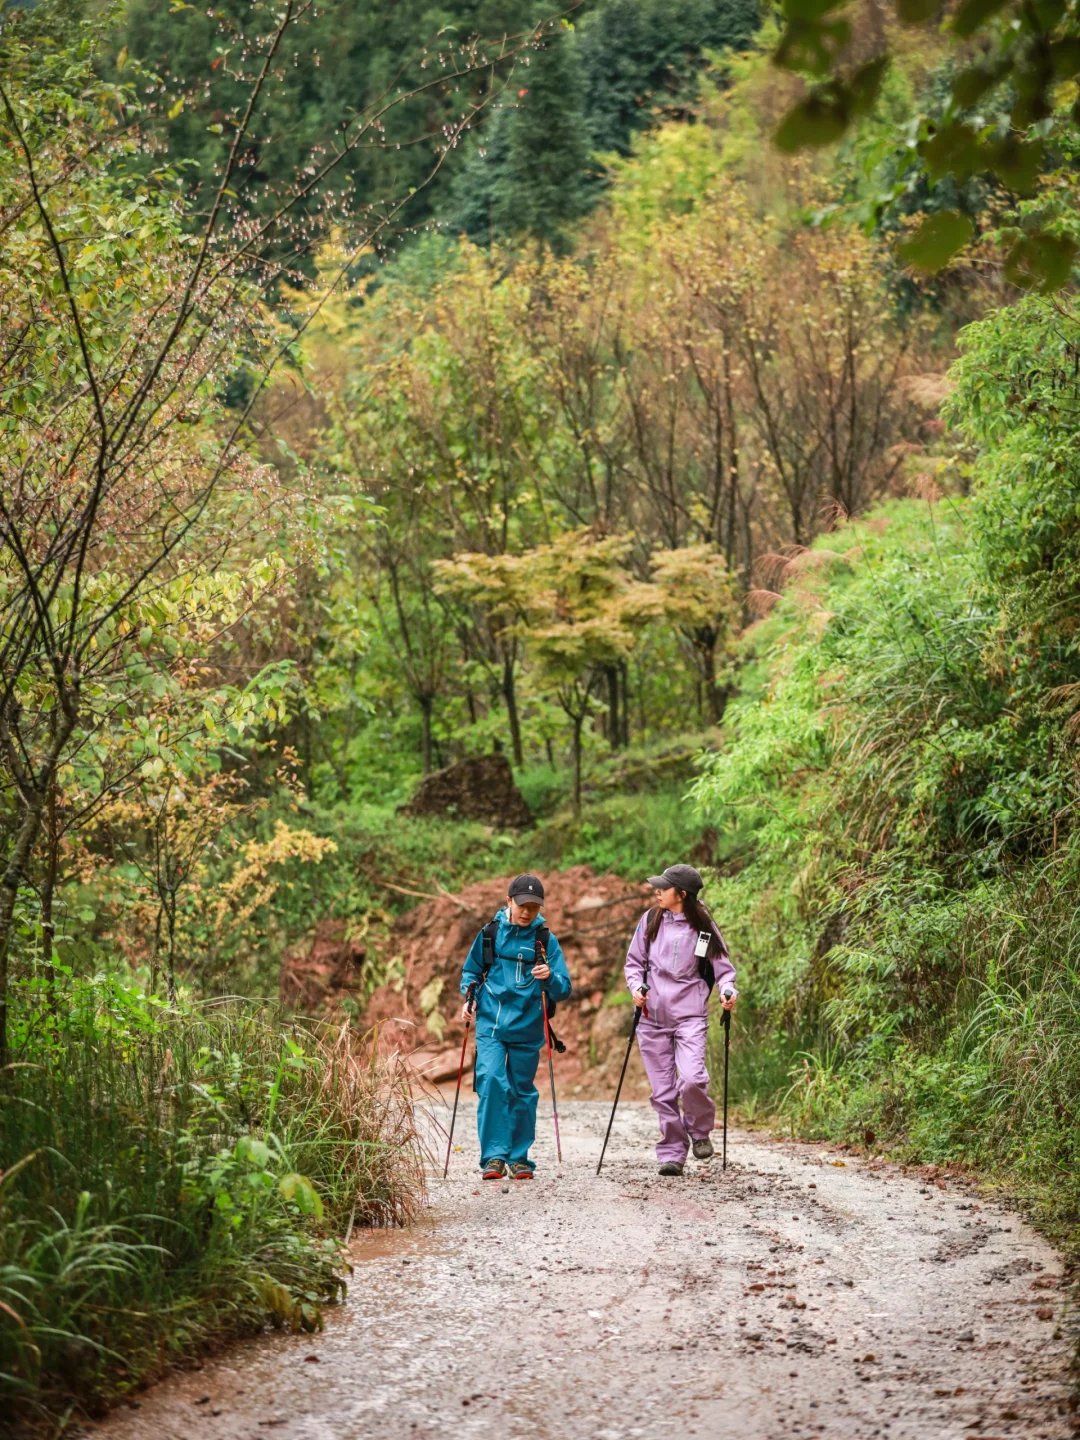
[
  {"x": 174, "y": 1179},
  {"x": 904, "y": 903}
]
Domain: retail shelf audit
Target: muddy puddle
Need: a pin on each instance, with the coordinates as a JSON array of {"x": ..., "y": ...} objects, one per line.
[{"x": 797, "y": 1294}]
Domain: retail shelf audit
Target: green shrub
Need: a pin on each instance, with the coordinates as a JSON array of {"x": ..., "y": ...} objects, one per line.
[{"x": 171, "y": 1179}]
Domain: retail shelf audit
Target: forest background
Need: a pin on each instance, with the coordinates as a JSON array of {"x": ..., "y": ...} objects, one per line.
[{"x": 678, "y": 399}]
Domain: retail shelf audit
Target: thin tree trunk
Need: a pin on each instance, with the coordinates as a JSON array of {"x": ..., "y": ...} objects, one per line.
[
  {"x": 624, "y": 677},
  {"x": 426, "y": 705},
  {"x": 170, "y": 952},
  {"x": 614, "y": 726},
  {"x": 509, "y": 689},
  {"x": 578, "y": 721},
  {"x": 25, "y": 839},
  {"x": 707, "y": 650},
  {"x": 48, "y": 890}
]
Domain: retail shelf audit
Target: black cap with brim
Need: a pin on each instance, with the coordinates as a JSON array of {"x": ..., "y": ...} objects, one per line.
[
  {"x": 526, "y": 890},
  {"x": 683, "y": 877}
]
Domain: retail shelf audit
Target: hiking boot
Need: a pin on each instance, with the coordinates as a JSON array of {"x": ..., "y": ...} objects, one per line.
[
  {"x": 494, "y": 1169},
  {"x": 520, "y": 1171},
  {"x": 703, "y": 1149},
  {"x": 671, "y": 1167}
]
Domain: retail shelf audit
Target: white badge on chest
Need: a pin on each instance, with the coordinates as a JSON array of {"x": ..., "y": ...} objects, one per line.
[{"x": 701, "y": 949}]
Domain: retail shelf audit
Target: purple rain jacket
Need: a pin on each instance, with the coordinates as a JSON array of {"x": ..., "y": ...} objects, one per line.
[{"x": 676, "y": 990}]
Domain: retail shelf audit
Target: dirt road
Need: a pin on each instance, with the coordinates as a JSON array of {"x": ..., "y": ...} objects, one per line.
[{"x": 799, "y": 1294}]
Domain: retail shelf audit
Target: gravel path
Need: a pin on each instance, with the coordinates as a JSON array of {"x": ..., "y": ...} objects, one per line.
[{"x": 797, "y": 1294}]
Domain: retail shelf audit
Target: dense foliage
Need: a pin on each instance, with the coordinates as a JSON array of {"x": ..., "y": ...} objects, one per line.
[{"x": 907, "y": 776}]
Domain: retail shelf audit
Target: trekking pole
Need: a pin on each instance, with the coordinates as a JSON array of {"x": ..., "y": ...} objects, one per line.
[
  {"x": 460, "y": 1072},
  {"x": 542, "y": 955},
  {"x": 551, "y": 1072},
  {"x": 622, "y": 1076},
  {"x": 727, "y": 1046}
]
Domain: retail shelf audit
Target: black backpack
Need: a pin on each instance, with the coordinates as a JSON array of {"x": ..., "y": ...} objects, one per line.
[{"x": 543, "y": 935}]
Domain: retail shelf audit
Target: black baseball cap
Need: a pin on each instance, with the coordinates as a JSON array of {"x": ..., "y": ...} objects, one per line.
[
  {"x": 526, "y": 890},
  {"x": 683, "y": 877}
]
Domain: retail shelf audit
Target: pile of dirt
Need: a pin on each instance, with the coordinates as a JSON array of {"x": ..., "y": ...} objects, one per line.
[
  {"x": 312, "y": 976},
  {"x": 480, "y": 788},
  {"x": 418, "y": 1008}
]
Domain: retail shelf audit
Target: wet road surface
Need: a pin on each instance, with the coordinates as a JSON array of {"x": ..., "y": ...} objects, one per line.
[{"x": 799, "y": 1294}]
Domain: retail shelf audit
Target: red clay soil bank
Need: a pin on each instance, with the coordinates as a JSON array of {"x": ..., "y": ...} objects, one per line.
[{"x": 593, "y": 916}]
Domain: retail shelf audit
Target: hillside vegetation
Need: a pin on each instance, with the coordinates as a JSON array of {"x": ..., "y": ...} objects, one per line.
[{"x": 905, "y": 901}]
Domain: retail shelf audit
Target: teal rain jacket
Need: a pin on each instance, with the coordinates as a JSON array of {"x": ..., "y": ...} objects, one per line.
[{"x": 508, "y": 1005}]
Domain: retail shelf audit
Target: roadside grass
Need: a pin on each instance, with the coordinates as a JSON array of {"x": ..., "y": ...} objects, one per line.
[
  {"x": 174, "y": 1179},
  {"x": 904, "y": 911}
]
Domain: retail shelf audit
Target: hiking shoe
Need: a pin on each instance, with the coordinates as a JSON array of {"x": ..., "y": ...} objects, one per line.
[
  {"x": 671, "y": 1167},
  {"x": 520, "y": 1171},
  {"x": 703, "y": 1149},
  {"x": 495, "y": 1170}
]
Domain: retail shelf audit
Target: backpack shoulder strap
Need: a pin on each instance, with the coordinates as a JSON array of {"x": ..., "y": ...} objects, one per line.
[
  {"x": 543, "y": 935},
  {"x": 489, "y": 934}
]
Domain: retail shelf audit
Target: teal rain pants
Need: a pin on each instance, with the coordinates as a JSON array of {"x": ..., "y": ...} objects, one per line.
[{"x": 506, "y": 1113}]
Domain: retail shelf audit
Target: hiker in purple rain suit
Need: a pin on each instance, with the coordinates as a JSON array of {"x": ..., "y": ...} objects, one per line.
[{"x": 678, "y": 942}]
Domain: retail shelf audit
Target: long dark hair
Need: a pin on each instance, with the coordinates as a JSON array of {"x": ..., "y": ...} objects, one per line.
[{"x": 697, "y": 917}]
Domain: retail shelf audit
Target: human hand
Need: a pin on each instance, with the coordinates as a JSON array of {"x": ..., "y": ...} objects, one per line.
[
  {"x": 466, "y": 1012},
  {"x": 640, "y": 999},
  {"x": 541, "y": 970},
  {"x": 728, "y": 999}
]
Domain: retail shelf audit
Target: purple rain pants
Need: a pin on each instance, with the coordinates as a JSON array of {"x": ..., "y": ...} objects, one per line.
[{"x": 674, "y": 1060}]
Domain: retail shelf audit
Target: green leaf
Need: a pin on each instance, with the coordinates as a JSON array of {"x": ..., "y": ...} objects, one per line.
[
  {"x": 122, "y": 58},
  {"x": 936, "y": 241},
  {"x": 865, "y": 85},
  {"x": 175, "y": 111},
  {"x": 817, "y": 120},
  {"x": 1065, "y": 57},
  {"x": 974, "y": 13},
  {"x": 1016, "y": 162},
  {"x": 917, "y": 12},
  {"x": 299, "y": 1189},
  {"x": 810, "y": 47},
  {"x": 256, "y": 1152},
  {"x": 976, "y": 81},
  {"x": 808, "y": 9},
  {"x": 955, "y": 151},
  {"x": 1041, "y": 262}
]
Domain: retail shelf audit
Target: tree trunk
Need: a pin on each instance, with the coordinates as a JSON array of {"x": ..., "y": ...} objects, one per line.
[
  {"x": 624, "y": 677},
  {"x": 48, "y": 890},
  {"x": 509, "y": 689},
  {"x": 614, "y": 725},
  {"x": 578, "y": 722},
  {"x": 706, "y": 644},
  {"x": 426, "y": 706},
  {"x": 25, "y": 839},
  {"x": 170, "y": 951}
]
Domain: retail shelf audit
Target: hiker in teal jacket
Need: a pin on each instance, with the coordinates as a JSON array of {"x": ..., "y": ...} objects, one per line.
[{"x": 510, "y": 1027}]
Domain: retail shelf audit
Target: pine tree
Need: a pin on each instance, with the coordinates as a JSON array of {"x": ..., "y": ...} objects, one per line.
[
  {"x": 641, "y": 56},
  {"x": 542, "y": 187}
]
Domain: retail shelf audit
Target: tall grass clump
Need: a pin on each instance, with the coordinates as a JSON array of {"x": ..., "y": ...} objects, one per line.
[{"x": 175, "y": 1178}]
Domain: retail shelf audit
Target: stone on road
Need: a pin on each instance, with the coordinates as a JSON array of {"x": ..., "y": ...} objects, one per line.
[{"x": 797, "y": 1294}]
